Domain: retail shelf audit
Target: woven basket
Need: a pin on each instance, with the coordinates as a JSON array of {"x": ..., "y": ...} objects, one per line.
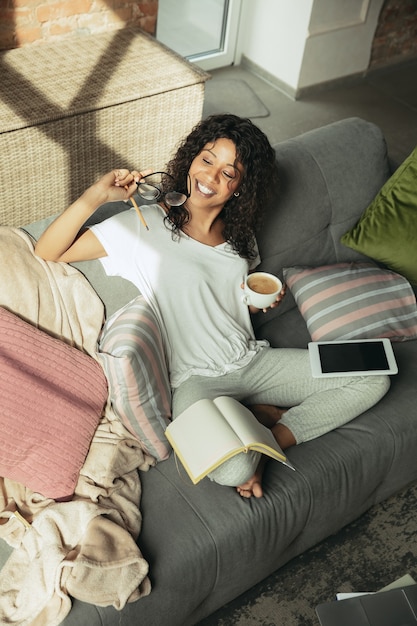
[{"x": 73, "y": 110}]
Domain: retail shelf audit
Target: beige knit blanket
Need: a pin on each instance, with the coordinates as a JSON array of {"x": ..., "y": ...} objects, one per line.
[{"x": 85, "y": 548}]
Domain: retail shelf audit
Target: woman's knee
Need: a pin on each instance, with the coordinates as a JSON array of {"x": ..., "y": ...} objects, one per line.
[{"x": 383, "y": 384}]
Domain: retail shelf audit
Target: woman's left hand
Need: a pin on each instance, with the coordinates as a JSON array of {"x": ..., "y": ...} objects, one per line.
[
  {"x": 279, "y": 297},
  {"x": 277, "y": 302}
]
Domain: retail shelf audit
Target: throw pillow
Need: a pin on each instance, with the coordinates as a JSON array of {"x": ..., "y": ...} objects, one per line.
[
  {"x": 52, "y": 398},
  {"x": 133, "y": 358},
  {"x": 354, "y": 301},
  {"x": 387, "y": 231}
]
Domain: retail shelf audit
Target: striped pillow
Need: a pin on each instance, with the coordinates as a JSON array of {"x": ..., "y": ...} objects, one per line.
[
  {"x": 353, "y": 301},
  {"x": 132, "y": 354}
]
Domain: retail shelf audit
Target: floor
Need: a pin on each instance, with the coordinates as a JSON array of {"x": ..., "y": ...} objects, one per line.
[{"x": 386, "y": 97}]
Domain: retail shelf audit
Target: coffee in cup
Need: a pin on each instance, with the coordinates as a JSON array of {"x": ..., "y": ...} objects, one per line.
[{"x": 261, "y": 289}]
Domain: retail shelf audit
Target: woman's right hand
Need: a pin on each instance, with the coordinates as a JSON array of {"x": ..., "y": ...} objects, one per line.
[{"x": 114, "y": 186}]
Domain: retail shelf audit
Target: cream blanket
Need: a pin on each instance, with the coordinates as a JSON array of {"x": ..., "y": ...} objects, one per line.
[{"x": 85, "y": 548}]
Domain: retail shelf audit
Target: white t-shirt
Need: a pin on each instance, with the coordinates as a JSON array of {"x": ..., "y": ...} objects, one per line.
[{"x": 193, "y": 288}]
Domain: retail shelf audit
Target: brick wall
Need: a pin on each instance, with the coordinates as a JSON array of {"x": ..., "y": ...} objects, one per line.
[
  {"x": 25, "y": 22},
  {"x": 396, "y": 34}
]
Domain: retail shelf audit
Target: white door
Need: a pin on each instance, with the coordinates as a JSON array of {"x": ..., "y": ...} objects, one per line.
[{"x": 202, "y": 31}]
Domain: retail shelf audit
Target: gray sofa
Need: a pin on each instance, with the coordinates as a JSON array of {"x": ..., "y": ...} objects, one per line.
[{"x": 205, "y": 545}]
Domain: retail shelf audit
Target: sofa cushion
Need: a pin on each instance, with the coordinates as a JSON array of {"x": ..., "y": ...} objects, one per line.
[
  {"x": 133, "y": 357},
  {"x": 354, "y": 300},
  {"x": 387, "y": 230},
  {"x": 322, "y": 193},
  {"x": 52, "y": 397}
]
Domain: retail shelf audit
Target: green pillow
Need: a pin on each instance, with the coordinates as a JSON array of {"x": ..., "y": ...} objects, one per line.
[{"x": 387, "y": 230}]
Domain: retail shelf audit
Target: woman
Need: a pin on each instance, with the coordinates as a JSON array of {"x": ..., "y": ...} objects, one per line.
[{"x": 190, "y": 266}]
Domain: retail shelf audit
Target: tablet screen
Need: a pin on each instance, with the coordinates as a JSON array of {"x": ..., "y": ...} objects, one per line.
[
  {"x": 358, "y": 357},
  {"x": 353, "y": 357}
]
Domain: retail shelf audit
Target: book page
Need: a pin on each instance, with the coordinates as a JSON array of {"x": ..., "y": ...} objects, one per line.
[
  {"x": 250, "y": 432},
  {"x": 201, "y": 437}
]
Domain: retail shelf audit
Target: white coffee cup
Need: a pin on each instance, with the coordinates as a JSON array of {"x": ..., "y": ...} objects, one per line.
[{"x": 261, "y": 289}]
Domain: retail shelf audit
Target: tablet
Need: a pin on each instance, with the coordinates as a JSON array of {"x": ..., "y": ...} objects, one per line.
[{"x": 359, "y": 357}]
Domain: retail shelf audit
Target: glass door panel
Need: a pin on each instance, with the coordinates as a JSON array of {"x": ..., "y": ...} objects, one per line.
[{"x": 203, "y": 31}]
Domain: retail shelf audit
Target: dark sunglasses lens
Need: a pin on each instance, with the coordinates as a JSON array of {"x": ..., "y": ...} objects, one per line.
[
  {"x": 175, "y": 198},
  {"x": 149, "y": 192}
]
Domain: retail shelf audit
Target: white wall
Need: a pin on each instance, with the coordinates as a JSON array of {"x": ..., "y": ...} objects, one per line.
[
  {"x": 339, "y": 42},
  {"x": 273, "y": 35},
  {"x": 302, "y": 43}
]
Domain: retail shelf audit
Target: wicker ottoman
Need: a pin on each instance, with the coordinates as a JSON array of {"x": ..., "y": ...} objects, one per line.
[{"x": 75, "y": 109}]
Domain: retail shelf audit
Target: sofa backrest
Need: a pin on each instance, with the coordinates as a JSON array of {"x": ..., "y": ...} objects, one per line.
[{"x": 328, "y": 176}]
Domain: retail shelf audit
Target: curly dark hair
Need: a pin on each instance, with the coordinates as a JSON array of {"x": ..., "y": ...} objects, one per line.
[{"x": 240, "y": 215}]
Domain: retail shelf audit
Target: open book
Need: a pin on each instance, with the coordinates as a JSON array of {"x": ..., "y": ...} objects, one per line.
[{"x": 211, "y": 431}]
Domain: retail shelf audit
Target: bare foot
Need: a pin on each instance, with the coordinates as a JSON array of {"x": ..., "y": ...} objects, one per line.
[
  {"x": 267, "y": 414},
  {"x": 253, "y": 486}
]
